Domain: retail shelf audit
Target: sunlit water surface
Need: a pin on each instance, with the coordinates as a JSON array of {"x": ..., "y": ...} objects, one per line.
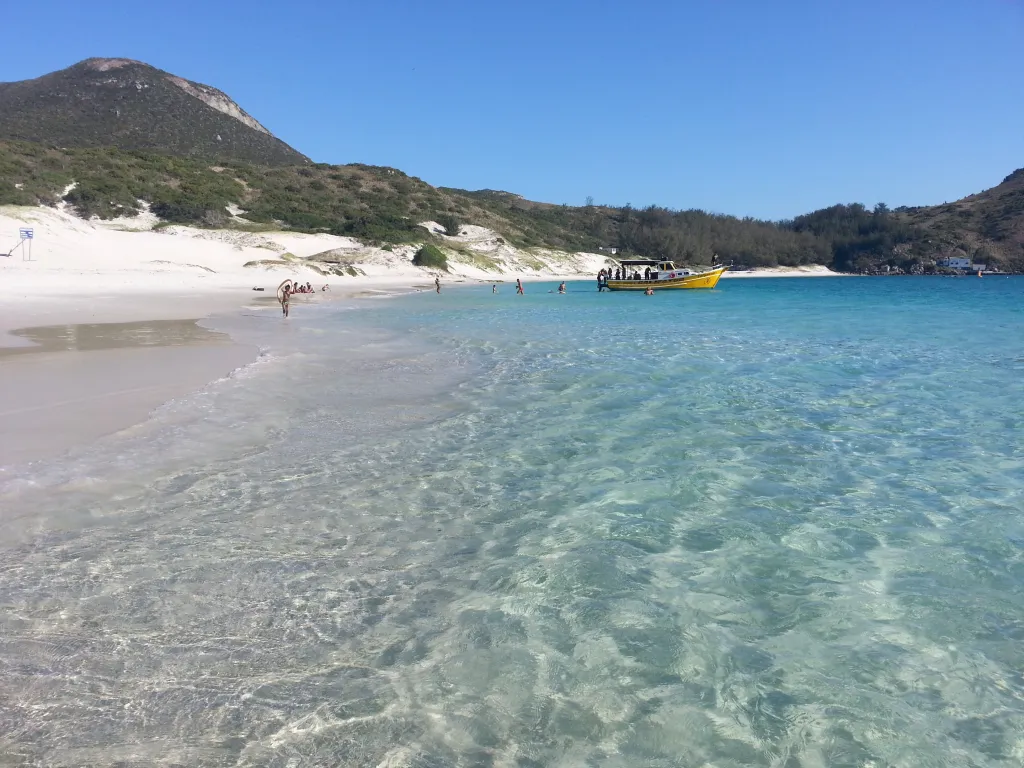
[{"x": 776, "y": 524}]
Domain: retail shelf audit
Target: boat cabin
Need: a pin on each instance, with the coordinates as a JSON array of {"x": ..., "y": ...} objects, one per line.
[{"x": 649, "y": 270}]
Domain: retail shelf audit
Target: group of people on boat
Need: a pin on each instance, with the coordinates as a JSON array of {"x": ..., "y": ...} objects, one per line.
[
  {"x": 648, "y": 274},
  {"x": 622, "y": 273}
]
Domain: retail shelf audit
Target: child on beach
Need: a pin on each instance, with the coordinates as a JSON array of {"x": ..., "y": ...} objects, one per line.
[
  {"x": 437, "y": 282},
  {"x": 519, "y": 287},
  {"x": 284, "y": 300}
]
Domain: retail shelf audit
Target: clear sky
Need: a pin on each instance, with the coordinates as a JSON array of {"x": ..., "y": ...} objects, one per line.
[{"x": 749, "y": 107}]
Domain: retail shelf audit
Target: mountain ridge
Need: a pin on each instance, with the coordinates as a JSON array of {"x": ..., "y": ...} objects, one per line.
[{"x": 132, "y": 105}]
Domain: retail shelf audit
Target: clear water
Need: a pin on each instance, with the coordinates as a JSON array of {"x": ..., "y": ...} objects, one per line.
[{"x": 777, "y": 524}]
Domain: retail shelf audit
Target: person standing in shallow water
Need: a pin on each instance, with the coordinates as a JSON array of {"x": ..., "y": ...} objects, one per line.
[
  {"x": 437, "y": 283},
  {"x": 285, "y": 294},
  {"x": 519, "y": 287}
]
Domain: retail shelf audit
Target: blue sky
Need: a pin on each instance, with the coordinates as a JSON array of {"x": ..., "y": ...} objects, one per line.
[{"x": 753, "y": 108}]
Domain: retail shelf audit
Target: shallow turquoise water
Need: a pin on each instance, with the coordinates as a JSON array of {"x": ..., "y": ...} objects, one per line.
[{"x": 775, "y": 524}]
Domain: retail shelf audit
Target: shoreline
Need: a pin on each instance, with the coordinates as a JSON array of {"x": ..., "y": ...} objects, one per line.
[
  {"x": 811, "y": 270},
  {"x": 68, "y": 380},
  {"x": 90, "y": 378},
  {"x": 76, "y": 369},
  {"x": 74, "y": 372}
]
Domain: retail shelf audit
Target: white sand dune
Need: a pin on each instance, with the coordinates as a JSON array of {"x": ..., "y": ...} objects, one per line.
[{"x": 72, "y": 256}]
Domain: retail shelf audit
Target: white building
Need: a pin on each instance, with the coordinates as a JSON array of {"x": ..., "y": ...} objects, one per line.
[{"x": 954, "y": 262}]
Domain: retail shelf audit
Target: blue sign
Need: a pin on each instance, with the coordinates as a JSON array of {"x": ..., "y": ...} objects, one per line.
[{"x": 26, "y": 233}]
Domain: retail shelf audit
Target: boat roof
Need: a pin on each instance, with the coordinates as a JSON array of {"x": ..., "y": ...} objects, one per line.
[{"x": 641, "y": 262}]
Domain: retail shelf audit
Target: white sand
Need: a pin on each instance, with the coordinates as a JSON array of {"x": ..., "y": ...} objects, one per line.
[
  {"x": 125, "y": 270},
  {"x": 73, "y": 257},
  {"x": 811, "y": 270},
  {"x": 131, "y": 270}
]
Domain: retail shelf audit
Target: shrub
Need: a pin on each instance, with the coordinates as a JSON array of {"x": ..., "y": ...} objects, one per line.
[
  {"x": 432, "y": 257},
  {"x": 188, "y": 212},
  {"x": 451, "y": 224},
  {"x": 379, "y": 228}
]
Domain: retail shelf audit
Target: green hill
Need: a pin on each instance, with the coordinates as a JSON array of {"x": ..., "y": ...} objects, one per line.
[
  {"x": 988, "y": 226},
  {"x": 384, "y": 205},
  {"x": 131, "y": 105},
  {"x": 109, "y": 135},
  {"x": 372, "y": 203}
]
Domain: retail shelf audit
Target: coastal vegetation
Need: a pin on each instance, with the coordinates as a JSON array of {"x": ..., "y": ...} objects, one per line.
[
  {"x": 431, "y": 257},
  {"x": 190, "y": 155},
  {"x": 450, "y": 223},
  {"x": 385, "y": 206}
]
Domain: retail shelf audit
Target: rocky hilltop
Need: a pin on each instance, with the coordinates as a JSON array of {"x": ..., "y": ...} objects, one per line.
[
  {"x": 988, "y": 226},
  {"x": 131, "y": 105}
]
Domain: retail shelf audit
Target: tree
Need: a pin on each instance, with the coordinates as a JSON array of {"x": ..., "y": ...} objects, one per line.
[{"x": 451, "y": 224}]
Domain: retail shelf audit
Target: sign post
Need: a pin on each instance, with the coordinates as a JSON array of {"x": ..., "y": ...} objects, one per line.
[{"x": 27, "y": 234}]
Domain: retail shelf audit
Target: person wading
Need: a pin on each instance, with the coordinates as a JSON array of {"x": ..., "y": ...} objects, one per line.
[
  {"x": 437, "y": 283},
  {"x": 285, "y": 295}
]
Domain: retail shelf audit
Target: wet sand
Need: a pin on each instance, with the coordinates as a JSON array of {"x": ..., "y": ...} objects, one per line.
[
  {"x": 90, "y": 337},
  {"x": 62, "y": 386},
  {"x": 76, "y": 368}
]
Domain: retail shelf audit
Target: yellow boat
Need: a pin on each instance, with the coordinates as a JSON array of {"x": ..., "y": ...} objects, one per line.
[{"x": 664, "y": 274}]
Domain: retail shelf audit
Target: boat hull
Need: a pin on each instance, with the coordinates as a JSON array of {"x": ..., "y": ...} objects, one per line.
[{"x": 707, "y": 279}]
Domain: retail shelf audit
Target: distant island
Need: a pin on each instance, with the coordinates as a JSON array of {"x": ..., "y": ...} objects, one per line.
[{"x": 108, "y": 137}]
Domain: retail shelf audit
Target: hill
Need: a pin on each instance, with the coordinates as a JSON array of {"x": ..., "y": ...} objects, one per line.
[
  {"x": 384, "y": 205},
  {"x": 134, "y": 106},
  {"x": 988, "y": 226},
  {"x": 379, "y": 205},
  {"x": 111, "y": 137}
]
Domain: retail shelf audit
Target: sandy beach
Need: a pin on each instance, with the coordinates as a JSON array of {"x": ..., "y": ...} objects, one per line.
[
  {"x": 76, "y": 369},
  {"x": 810, "y": 270},
  {"x": 103, "y": 323}
]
